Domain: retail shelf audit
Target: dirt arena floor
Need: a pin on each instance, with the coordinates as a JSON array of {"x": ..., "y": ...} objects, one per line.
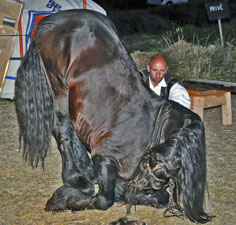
[{"x": 24, "y": 192}]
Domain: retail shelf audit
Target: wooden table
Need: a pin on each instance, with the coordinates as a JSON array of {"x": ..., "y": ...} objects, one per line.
[{"x": 211, "y": 93}]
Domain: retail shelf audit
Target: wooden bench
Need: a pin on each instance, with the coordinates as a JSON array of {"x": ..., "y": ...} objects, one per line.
[{"x": 211, "y": 93}]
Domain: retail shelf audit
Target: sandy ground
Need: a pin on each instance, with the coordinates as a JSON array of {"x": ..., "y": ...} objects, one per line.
[{"x": 24, "y": 192}]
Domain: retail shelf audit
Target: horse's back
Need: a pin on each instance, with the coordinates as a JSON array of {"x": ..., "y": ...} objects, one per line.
[
  {"x": 73, "y": 25},
  {"x": 72, "y": 42},
  {"x": 78, "y": 17},
  {"x": 89, "y": 67}
]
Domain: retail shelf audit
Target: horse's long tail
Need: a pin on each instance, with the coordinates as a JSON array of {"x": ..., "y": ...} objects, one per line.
[
  {"x": 34, "y": 108},
  {"x": 191, "y": 179}
]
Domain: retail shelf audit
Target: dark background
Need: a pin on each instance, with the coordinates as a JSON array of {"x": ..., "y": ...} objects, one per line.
[{"x": 135, "y": 16}]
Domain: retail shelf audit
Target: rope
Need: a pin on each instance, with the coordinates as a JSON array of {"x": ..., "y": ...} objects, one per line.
[
  {"x": 84, "y": 4},
  {"x": 20, "y": 35},
  {"x": 173, "y": 208}
]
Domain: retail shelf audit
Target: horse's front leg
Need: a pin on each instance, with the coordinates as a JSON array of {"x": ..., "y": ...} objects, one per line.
[
  {"x": 107, "y": 172},
  {"x": 77, "y": 168}
]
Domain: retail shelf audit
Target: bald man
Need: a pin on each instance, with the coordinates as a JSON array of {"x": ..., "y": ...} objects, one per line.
[{"x": 163, "y": 84}]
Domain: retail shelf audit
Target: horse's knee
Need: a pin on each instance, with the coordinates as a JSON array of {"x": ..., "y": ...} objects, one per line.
[
  {"x": 103, "y": 203},
  {"x": 107, "y": 173}
]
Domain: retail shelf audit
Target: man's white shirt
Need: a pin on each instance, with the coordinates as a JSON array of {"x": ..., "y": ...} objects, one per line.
[{"x": 177, "y": 93}]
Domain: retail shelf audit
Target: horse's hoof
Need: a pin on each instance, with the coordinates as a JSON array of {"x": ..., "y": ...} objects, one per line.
[
  {"x": 57, "y": 202},
  {"x": 49, "y": 207},
  {"x": 52, "y": 209}
]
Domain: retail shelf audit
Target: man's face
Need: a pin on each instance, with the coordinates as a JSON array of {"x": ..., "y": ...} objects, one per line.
[{"x": 157, "y": 72}]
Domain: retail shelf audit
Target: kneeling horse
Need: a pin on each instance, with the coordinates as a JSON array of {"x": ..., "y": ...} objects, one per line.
[{"x": 78, "y": 84}]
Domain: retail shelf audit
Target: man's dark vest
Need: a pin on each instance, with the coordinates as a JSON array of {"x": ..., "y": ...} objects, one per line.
[{"x": 170, "y": 81}]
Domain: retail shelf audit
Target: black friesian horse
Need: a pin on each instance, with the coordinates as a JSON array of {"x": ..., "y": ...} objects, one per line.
[{"x": 78, "y": 83}]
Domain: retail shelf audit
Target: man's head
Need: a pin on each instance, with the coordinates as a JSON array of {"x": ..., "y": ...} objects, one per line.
[{"x": 157, "y": 69}]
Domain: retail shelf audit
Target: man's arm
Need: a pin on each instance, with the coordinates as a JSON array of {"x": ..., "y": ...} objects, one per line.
[{"x": 179, "y": 94}]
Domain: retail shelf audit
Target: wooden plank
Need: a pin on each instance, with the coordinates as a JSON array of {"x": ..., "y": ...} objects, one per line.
[
  {"x": 9, "y": 16},
  {"x": 214, "y": 100},
  {"x": 205, "y": 93},
  {"x": 204, "y": 84},
  {"x": 227, "y": 110},
  {"x": 197, "y": 106},
  {"x": 207, "y": 101}
]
